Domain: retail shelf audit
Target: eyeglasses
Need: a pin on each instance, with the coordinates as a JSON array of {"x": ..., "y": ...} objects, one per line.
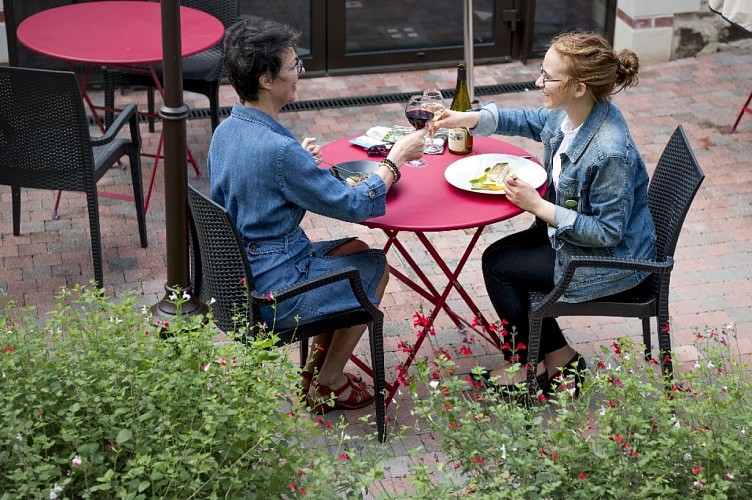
[
  {"x": 547, "y": 79},
  {"x": 378, "y": 150},
  {"x": 298, "y": 66}
]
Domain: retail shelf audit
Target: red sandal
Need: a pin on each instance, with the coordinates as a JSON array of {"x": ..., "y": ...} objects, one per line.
[{"x": 359, "y": 396}]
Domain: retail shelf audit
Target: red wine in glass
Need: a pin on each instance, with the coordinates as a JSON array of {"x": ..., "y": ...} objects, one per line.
[{"x": 418, "y": 116}]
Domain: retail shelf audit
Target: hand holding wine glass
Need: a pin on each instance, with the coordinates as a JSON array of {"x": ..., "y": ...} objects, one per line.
[
  {"x": 418, "y": 116},
  {"x": 433, "y": 101}
]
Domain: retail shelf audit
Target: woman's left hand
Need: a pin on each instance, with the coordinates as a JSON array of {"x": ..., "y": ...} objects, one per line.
[{"x": 309, "y": 144}]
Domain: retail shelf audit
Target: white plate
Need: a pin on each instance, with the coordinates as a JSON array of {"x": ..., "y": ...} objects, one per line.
[{"x": 459, "y": 173}]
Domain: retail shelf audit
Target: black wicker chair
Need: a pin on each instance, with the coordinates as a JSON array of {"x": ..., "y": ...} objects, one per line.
[
  {"x": 221, "y": 272},
  {"x": 45, "y": 144},
  {"x": 675, "y": 182},
  {"x": 202, "y": 73}
]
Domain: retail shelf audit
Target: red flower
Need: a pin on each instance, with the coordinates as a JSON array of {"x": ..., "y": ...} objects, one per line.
[
  {"x": 611, "y": 404},
  {"x": 344, "y": 456},
  {"x": 554, "y": 456},
  {"x": 615, "y": 347},
  {"x": 541, "y": 453},
  {"x": 477, "y": 460},
  {"x": 696, "y": 469},
  {"x": 601, "y": 365},
  {"x": 465, "y": 350},
  {"x": 454, "y": 425},
  {"x": 583, "y": 476},
  {"x": 667, "y": 328},
  {"x": 521, "y": 346},
  {"x": 619, "y": 438},
  {"x": 475, "y": 322},
  {"x": 8, "y": 348},
  {"x": 320, "y": 348},
  {"x": 448, "y": 405}
]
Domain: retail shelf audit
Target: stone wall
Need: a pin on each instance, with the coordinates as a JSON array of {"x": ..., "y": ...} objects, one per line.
[{"x": 705, "y": 32}]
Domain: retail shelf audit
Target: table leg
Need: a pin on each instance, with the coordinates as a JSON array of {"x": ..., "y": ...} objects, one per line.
[{"x": 428, "y": 291}]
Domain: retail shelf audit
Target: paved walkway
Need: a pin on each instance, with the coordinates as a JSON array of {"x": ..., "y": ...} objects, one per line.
[{"x": 711, "y": 283}]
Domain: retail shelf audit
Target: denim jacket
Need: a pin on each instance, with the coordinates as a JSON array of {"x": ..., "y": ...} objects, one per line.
[
  {"x": 267, "y": 181},
  {"x": 601, "y": 198}
]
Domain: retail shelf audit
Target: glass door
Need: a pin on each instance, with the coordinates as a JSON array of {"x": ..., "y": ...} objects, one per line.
[{"x": 346, "y": 36}]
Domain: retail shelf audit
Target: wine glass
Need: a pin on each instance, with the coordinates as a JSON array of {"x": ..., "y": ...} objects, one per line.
[
  {"x": 433, "y": 101},
  {"x": 418, "y": 116}
]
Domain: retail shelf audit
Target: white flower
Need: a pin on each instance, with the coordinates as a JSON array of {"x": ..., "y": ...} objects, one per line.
[
  {"x": 743, "y": 431},
  {"x": 76, "y": 462},
  {"x": 626, "y": 357},
  {"x": 212, "y": 301},
  {"x": 434, "y": 383},
  {"x": 173, "y": 297},
  {"x": 347, "y": 437},
  {"x": 697, "y": 364},
  {"x": 602, "y": 411},
  {"x": 687, "y": 457},
  {"x": 55, "y": 490},
  {"x": 503, "y": 452},
  {"x": 729, "y": 475},
  {"x": 19, "y": 437},
  {"x": 144, "y": 310},
  {"x": 186, "y": 296},
  {"x": 710, "y": 364}
]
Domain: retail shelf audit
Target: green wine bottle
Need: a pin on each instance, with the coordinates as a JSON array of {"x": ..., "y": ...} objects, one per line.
[{"x": 460, "y": 140}]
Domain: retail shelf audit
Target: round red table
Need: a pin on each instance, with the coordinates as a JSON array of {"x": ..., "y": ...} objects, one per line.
[
  {"x": 424, "y": 201},
  {"x": 124, "y": 34}
]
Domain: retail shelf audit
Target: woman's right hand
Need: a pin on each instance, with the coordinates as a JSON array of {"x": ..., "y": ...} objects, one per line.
[
  {"x": 409, "y": 147},
  {"x": 457, "y": 119}
]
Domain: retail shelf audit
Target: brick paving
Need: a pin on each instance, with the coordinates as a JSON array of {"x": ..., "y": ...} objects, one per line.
[{"x": 711, "y": 280}]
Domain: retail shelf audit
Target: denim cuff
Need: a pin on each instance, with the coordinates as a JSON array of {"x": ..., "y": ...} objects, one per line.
[{"x": 489, "y": 119}]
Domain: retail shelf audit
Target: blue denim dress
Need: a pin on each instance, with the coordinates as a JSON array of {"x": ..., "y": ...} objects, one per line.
[
  {"x": 601, "y": 198},
  {"x": 267, "y": 181}
]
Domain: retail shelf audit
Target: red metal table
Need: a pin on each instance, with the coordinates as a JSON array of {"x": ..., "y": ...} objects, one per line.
[
  {"x": 124, "y": 34},
  {"x": 424, "y": 202}
]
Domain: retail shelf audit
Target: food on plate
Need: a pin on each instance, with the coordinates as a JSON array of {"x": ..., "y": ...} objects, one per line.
[
  {"x": 493, "y": 178},
  {"x": 352, "y": 178}
]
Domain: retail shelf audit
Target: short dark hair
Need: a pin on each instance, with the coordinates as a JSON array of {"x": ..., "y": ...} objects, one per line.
[{"x": 253, "y": 49}]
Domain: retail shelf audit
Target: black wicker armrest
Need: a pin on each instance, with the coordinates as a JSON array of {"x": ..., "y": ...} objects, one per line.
[
  {"x": 661, "y": 268},
  {"x": 347, "y": 273},
  {"x": 128, "y": 114}
]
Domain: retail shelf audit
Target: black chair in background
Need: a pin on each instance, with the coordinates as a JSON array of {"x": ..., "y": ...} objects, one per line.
[
  {"x": 202, "y": 72},
  {"x": 673, "y": 186},
  {"x": 45, "y": 144},
  {"x": 221, "y": 272}
]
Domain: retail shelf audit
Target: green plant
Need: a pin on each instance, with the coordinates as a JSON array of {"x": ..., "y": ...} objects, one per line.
[
  {"x": 98, "y": 403},
  {"x": 628, "y": 435}
]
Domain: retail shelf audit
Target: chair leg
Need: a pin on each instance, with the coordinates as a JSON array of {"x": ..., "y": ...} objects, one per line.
[
  {"x": 214, "y": 106},
  {"x": 15, "y": 194},
  {"x": 138, "y": 195},
  {"x": 664, "y": 345},
  {"x": 646, "y": 339},
  {"x": 150, "y": 107},
  {"x": 109, "y": 98},
  {"x": 533, "y": 348},
  {"x": 376, "y": 339},
  {"x": 96, "y": 241}
]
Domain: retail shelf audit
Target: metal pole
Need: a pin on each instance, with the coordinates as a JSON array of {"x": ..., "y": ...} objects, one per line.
[
  {"x": 468, "y": 44},
  {"x": 174, "y": 113}
]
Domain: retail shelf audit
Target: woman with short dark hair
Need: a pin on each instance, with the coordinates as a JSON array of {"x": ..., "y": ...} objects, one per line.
[{"x": 267, "y": 181}]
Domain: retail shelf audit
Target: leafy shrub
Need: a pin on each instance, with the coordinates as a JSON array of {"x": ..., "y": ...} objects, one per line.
[
  {"x": 628, "y": 435},
  {"x": 97, "y": 403}
]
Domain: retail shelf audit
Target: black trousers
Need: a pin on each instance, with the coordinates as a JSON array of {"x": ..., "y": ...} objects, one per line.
[{"x": 512, "y": 267}]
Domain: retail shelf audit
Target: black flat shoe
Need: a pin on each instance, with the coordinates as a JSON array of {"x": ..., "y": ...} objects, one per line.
[
  {"x": 573, "y": 373},
  {"x": 509, "y": 392}
]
